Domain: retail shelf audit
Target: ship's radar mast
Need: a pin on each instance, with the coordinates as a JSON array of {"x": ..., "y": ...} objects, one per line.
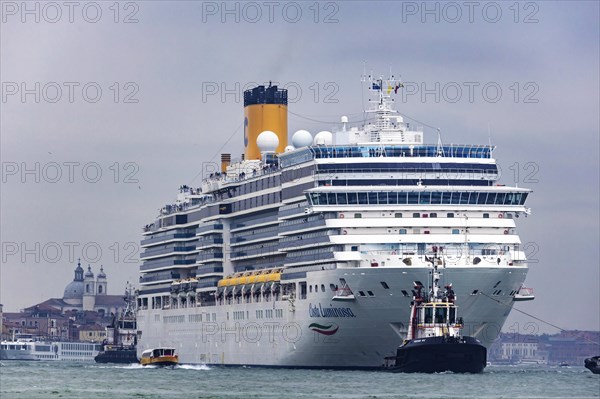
[{"x": 386, "y": 125}]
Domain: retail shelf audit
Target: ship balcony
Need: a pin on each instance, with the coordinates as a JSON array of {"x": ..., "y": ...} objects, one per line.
[
  {"x": 290, "y": 213},
  {"x": 211, "y": 243},
  {"x": 269, "y": 239},
  {"x": 255, "y": 223},
  {"x": 167, "y": 238},
  {"x": 251, "y": 236},
  {"x": 308, "y": 256},
  {"x": 162, "y": 252},
  {"x": 208, "y": 270},
  {"x": 156, "y": 265},
  {"x": 301, "y": 225},
  {"x": 213, "y": 254},
  {"x": 209, "y": 228},
  {"x": 299, "y": 243},
  {"x": 158, "y": 277},
  {"x": 252, "y": 254}
]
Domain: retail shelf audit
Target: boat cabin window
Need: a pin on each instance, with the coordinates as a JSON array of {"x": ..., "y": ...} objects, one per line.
[
  {"x": 440, "y": 315},
  {"x": 428, "y": 315},
  {"x": 452, "y": 318}
]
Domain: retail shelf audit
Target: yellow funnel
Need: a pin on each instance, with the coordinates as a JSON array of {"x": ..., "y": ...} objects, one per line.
[{"x": 265, "y": 108}]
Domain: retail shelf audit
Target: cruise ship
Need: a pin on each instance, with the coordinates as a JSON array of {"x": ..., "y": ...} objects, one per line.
[{"x": 305, "y": 254}]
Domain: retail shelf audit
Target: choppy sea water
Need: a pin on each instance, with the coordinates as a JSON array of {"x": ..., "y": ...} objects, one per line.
[{"x": 30, "y": 380}]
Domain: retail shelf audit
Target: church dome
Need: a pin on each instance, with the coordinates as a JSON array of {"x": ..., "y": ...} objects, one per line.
[
  {"x": 101, "y": 274},
  {"x": 74, "y": 290},
  {"x": 89, "y": 273}
]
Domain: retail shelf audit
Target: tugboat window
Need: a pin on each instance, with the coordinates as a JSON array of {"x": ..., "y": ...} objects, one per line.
[
  {"x": 428, "y": 315},
  {"x": 452, "y": 318},
  {"x": 440, "y": 315}
]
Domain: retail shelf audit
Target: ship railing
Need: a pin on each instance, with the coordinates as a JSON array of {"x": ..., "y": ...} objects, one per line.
[{"x": 222, "y": 178}]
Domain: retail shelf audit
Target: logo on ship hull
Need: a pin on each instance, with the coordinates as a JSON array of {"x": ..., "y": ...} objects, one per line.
[{"x": 329, "y": 329}]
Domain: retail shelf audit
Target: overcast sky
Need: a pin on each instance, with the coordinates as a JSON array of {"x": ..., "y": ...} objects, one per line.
[{"x": 111, "y": 117}]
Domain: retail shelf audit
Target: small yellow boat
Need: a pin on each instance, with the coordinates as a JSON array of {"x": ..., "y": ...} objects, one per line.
[{"x": 159, "y": 357}]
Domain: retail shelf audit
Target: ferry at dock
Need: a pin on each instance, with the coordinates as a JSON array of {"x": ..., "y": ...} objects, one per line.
[{"x": 304, "y": 254}]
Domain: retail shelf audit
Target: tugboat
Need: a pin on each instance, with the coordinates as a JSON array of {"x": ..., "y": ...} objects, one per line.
[
  {"x": 434, "y": 343},
  {"x": 121, "y": 335},
  {"x": 159, "y": 357},
  {"x": 593, "y": 364}
]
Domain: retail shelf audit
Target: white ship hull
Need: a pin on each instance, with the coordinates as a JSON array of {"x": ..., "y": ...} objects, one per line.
[{"x": 363, "y": 331}]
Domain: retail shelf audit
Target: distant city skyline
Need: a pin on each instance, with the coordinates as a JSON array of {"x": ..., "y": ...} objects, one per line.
[{"x": 104, "y": 115}]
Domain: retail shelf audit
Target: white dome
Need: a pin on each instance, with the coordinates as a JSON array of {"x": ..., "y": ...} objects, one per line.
[
  {"x": 302, "y": 138},
  {"x": 344, "y": 119},
  {"x": 288, "y": 148},
  {"x": 267, "y": 141},
  {"x": 323, "y": 138}
]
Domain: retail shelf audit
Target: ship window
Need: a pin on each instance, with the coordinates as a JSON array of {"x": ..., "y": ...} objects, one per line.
[
  {"x": 332, "y": 286},
  {"x": 398, "y": 215},
  {"x": 372, "y": 198},
  {"x": 362, "y": 198},
  {"x": 358, "y": 215},
  {"x": 354, "y": 248},
  {"x": 413, "y": 198},
  {"x": 440, "y": 315},
  {"x": 310, "y": 288},
  {"x": 384, "y": 285},
  {"x": 361, "y": 293},
  {"x": 486, "y": 215},
  {"x": 425, "y": 215},
  {"x": 402, "y": 231},
  {"x": 428, "y": 315},
  {"x": 322, "y": 287},
  {"x": 416, "y": 215},
  {"x": 404, "y": 293},
  {"x": 370, "y": 293},
  {"x": 352, "y": 199},
  {"x": 452, "y": 315},
  {"x": 455, "y": 231},
  {"x": 450, "y": 215},
  {"x": 475, "y": 292},
  {"x": 433, "y": 215}
]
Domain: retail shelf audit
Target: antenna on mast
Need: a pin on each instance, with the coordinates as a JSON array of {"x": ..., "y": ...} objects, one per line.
[
  {"x": 440, "y": 146},
  {"x": 490, "y": 138}
]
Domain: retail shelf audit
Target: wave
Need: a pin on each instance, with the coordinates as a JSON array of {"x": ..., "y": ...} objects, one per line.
[{"x": 193, "y": 367}]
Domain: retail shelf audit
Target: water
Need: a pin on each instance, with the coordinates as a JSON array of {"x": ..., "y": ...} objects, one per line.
[{"x": 30, "y": 380}]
